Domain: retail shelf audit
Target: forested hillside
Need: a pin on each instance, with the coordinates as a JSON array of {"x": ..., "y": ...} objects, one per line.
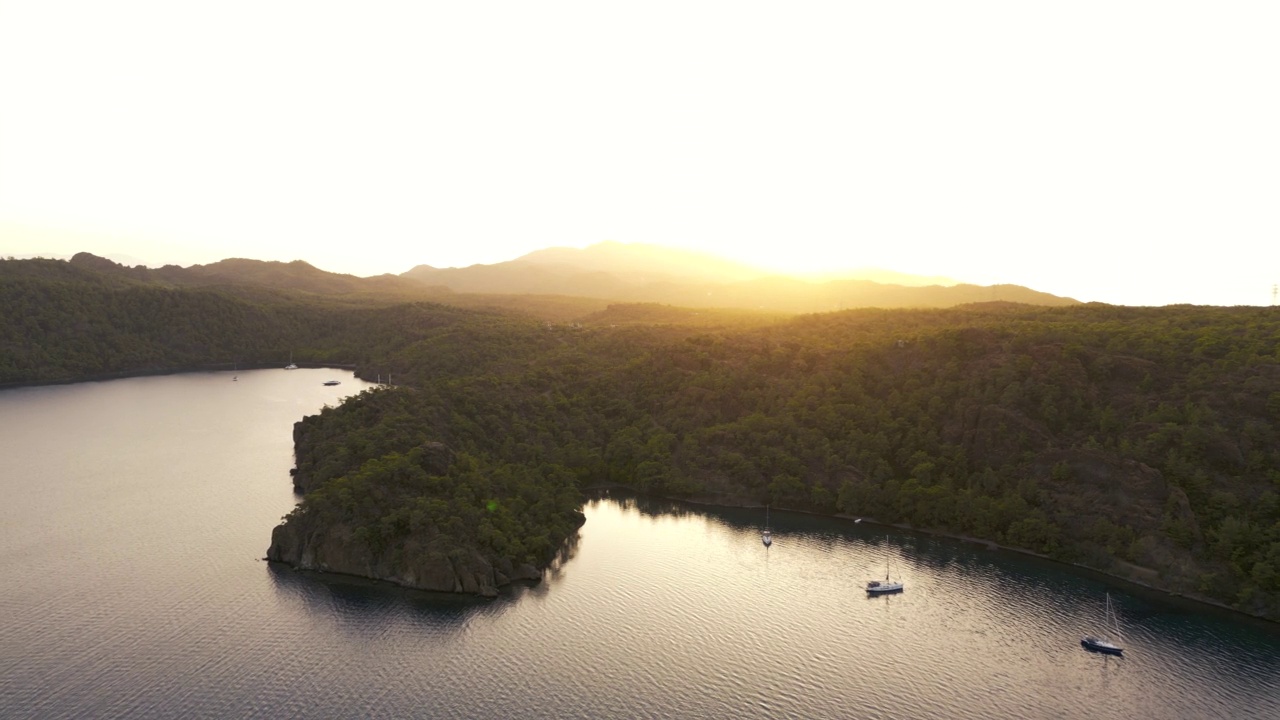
[
  {"x": 61, "y": 322},
  {"x": 1140, "y": 441}
]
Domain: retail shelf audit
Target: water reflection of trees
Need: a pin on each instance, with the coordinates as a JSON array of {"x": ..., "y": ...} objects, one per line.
[
  {"x": 359, "y": 604},
  {"x": 337, "y": 595},
  {"x": 952, "y": 558},
  {"x": 646, "y": 506},
  {"x": 566, "y": 552}
]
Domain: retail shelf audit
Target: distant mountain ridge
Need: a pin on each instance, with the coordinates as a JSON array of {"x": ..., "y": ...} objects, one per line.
[
  {"x": 605, "y": 272},
  {"x": 640, "y": 260},
  {"x": 297, "y": 275},
  {"x": 654, "y": 274}
]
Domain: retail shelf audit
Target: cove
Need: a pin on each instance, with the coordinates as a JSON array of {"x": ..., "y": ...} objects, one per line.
[{"x": 136, "y": 513}]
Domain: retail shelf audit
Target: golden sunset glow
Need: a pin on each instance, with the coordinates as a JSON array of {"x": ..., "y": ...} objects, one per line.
[{"x": 1122, "y": 152}]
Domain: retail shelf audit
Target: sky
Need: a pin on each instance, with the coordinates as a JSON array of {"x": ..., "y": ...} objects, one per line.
[{"x": 1117, "y": 151}]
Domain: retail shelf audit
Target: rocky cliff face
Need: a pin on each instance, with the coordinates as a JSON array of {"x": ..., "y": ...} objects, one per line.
[{"x": 310, "y": 546}]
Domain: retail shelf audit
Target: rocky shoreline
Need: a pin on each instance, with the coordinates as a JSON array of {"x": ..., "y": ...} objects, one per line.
[{"x": 336, "y": 551}]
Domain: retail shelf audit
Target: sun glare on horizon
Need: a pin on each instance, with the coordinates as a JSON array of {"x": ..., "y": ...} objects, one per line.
[{"x": 975, "y": 142}]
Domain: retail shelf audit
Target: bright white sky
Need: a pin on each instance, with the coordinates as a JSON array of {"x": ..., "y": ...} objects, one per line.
[{"x": 1119, "y": 151}]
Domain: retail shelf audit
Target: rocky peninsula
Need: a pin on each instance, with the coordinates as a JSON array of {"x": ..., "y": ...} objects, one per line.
[{"x": 419, "y": 515}]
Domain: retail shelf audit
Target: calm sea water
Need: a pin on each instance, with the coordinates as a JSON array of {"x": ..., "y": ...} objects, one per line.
[{"x": 135, "y": 513}]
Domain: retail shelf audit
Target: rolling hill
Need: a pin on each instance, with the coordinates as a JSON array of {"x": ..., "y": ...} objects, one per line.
[{"x": 653, "y": 274}]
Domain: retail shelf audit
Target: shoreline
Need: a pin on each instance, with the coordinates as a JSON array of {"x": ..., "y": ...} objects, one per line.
[
  {"x": 1164, "y": 594},
  {"x": 337, "y": 576},
  {"x": 723, "y": 502},
  {"x": 153, "y": 372}
]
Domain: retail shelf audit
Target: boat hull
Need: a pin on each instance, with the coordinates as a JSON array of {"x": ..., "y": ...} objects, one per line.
[
  {"x": 884, "y": 589},
  {"x": 1100, "y": 646}
]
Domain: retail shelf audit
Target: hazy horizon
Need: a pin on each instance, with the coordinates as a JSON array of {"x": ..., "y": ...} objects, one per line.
[
  {"x": 817, "y": 276},
  {"x": 1120, "y": 152}
]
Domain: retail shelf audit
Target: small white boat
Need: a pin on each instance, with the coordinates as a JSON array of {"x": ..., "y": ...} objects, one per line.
[
  {"x": 766, "y": 537},
  {"x": 884, "y": 587},
  {"x": 1101, "y": 644},
  {"x": 880, "y": 587}
]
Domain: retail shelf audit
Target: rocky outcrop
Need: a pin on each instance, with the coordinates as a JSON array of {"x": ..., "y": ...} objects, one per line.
[
  {"x": 336, "y": 549},
  {"x": 1088, "y": 484}
]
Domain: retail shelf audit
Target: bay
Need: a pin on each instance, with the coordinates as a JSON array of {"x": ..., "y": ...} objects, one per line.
[{"x": 135, "y": 514}]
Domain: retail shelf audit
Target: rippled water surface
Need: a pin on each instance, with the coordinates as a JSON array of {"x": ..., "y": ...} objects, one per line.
[{"x": 135, "y": 513}]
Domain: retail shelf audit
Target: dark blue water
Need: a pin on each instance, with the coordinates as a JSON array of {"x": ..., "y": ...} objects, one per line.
[{"x": 135, "y": 514}]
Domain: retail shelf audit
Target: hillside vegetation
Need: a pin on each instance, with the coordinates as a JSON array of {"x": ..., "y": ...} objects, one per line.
[{"x": 1139, "y": 441}]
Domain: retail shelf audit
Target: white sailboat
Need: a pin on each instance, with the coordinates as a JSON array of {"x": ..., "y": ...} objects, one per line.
[
  {"x": 1110, "y": 624},
  {"x": 291, "y": 366},
  {"x": 883, "y": 587},
  {"x": 766, "y": 537}
]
